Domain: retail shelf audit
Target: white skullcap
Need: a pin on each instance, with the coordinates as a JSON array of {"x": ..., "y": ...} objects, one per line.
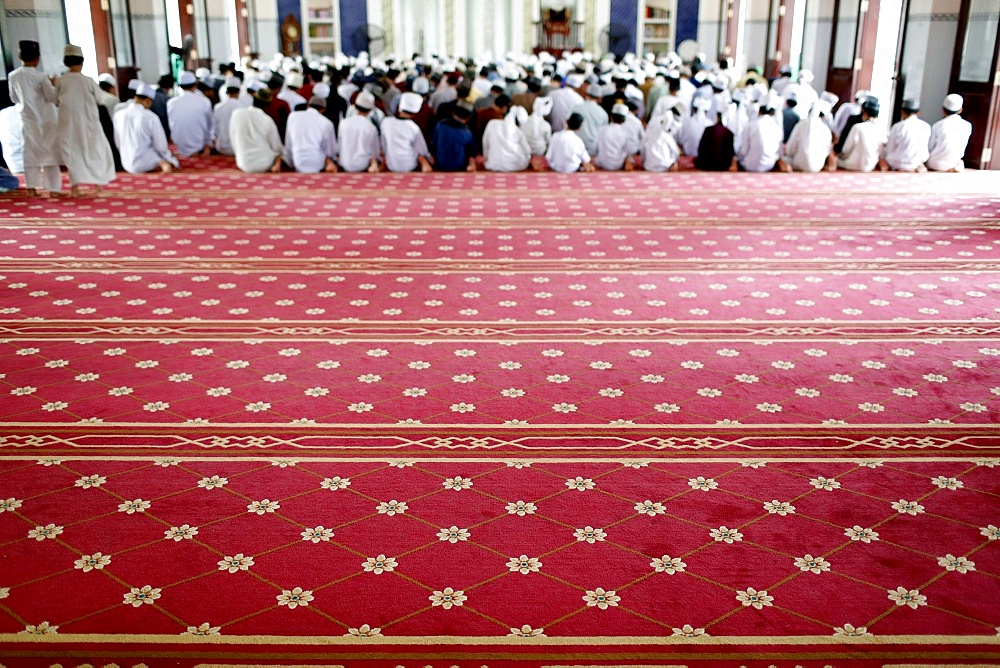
[
  {"x": 254, "y": 85},
  {"x": 202, "y": 72},
  {"x": 410, "y": 103},
  {"x": 365, "y": 100},
  {"x": 595, "y": 90},
  {"x": 187, "y": 79},
  {"x": 830, "y": 98},
  {"x": 146, "y": 90},
  {"x": 575, "y": 80},
  {"x": 953, "y": 102},
  {"x": 860, "y": 95},
  {"x": 294, "y": 80},
  {"x": 208, "y": 80},
  {"x": 806, "y": 76},
  {"x": 322, "y": 89},
  {"x": 107, "y": 79},
  {"x": 72, "y": 50},
  {"x": 421, "y": 86},
  {"x": 233, "y": 82},
  {"x": 619, "y": 109},
  {"x": 702, "y": 103},
  {"x": 134, "y": 84}
]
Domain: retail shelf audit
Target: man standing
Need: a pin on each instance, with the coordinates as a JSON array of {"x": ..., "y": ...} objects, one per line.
[
  {"x": 403, "y": 143},
  {"x": 254, "y": 136},
  {"x": 310, "y": 140},
  {"x": 949, "y": 137},
  {"x": 907, "y": 147},
  {"x": 359, "y": 138},
  {"x": 40, "y": 123},
  {"x": 190, "y": 117},
  {"x": 140, "y": 137}
]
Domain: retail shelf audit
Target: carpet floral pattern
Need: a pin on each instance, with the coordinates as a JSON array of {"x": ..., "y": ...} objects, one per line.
[{"x": 491, "y": 420}]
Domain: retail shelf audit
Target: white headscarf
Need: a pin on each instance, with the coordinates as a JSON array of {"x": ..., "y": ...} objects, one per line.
[
  {"x": 659, "y": 149},
  {"x": 694, "y": 125},
  {"x": 505, "y": 147},
  {"x": 536, "y": 129}
]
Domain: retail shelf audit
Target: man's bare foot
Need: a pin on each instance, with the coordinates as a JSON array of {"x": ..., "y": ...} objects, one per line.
[
  {"x": 74, "y": 191},
  {"x": 674, "y": 168},
  {"x": 98, "y": 191},
  {"x": 32, "y": 192},
  {"x": 166, "y": 167}
]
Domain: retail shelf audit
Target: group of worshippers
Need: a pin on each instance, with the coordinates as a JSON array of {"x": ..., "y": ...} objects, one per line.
[{"x": 570, "y": 114}]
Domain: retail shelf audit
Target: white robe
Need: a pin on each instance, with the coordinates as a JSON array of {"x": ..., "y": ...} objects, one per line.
[
  {"x": 612, "y": 147},
  {"x": 504, "y": 145},
  {"x": 808, "y": 147},
  {"x": 567, "y": 152},
  {"x": 255, "y": 140},
  {"x": 403, "y": 143},
  {"x": 846, "y": 110},
  {"x": 862, "y": 148},
  {"x": 141, "y": 140},
  {"x": 221, "y": 116},
  {"x": 191, "y": 122},
  {"x": 949, "y": 139},
  {"x": 292, "y": 98},
  {"x": 12, "y": 138},
  {"x": 309, "y": 140},
  {"x": 359, "y": 143},
  {"x": 536, "y": 129},
  {"x": 761, "y": 144},
  {"x": 907, "y": 146},
  {"x": 563, "y": 99},
  {"x": 594, "y": 118},
  {"x": 28, "y": 86},
  {"x": 85, "y": 150},
  {"x": 692, "y": 128},
  {"x": 659, "y": 149}
]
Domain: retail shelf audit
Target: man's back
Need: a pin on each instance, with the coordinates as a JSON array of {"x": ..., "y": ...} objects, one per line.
[
  {"x": 907, "y": 146},
  {"x": 359, "y": 143},
  {"x": 949, "y": 139},
  {"x": 190, "y": 118},
  {"x": 222, "y": 114}
]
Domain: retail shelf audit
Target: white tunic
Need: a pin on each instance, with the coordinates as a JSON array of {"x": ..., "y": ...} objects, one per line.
[
  {"x": 402, "y": 143},
  {"x": 359, "y": 143},
  {"x": 659, "y": 149},
  {"x": 504, "y": 145},
  {"x": 309, "y": 140},
  {"x": 761, "y": 144},
  {"x": 949, "y": 138},
  {"x": 906, "y": 149},
  {"x": 141, "y": 140},
  {"x": 567, "y": 152},
  {"x": 12, "y": 138},
  {"x": 612, "y": 147},
  {"x": 808, "y": 147},
  {"x": 28, "y": 86},
  {"x": 191, "y": 123},
  {"x": 292, "y": 98},
  {"x": 255, "y": 140},
  {"x": 636, "y": 133},
  {"x": 862, "y": 148},
  {"x": 108, "y": 101},
  {"x": 692, "y": 128},
  {"x": 221, "y": 116},
  {"x": 563, "y": 99},
  {"x": 85, "y": 150}
]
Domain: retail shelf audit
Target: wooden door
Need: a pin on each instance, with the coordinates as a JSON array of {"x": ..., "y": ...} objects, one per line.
[
  {"x": 975, "y": 75},
  {"x": 845, "y": 47}
]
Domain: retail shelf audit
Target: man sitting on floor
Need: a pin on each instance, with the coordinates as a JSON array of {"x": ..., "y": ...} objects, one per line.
[
  {"x": 864, "y": 140},
  {"x": 310, "y": 140},
  {"x": 403, "y": 143},
  {"x": 567, "y": 152},
  {"x": 906, "y": 149},
  {"x": 254, "y": 136},
  {"x": 949, "y": 137},
  {"x": 140, "y": 137}
]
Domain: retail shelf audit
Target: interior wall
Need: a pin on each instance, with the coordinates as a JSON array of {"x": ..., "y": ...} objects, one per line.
[
  {"x": 816, "y": 40},
  {"x": 265, "y": 32},
  {"x": 927, "y": 68},
  {"x": 40, "y": 20},
  {"x": 711, "y": 29},
  {"x": 149, "y": 27}
]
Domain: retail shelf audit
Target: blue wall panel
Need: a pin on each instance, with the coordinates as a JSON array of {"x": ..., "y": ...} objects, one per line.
[
  {"x": 353, "y": 15},
  {"x": 625, "y": 13},
  {"x": 286, "y": 7},
  {"x": 687, "y": 21}
]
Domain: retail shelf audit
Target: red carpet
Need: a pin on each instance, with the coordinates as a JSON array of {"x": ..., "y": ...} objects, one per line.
[{"x": 491, "y": 420}]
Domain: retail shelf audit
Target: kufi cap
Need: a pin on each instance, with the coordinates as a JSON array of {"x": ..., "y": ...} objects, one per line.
[
  {"x": 145, "y": 90},
  {"x": 702, "y": 103},
  {"x": 871, "y": 105},
  {"x": 421, "y": 86},
  {"x": 860, "y": 95},
  {"x": 619, "y": 109},
  {"x": 575, "y": 80},
  {"x": 806, "y": 76},
  {"x": 322, "y": 89},
  {"x": 823, "y": 107},
  {"x": 201, "y": 73},
  {"x": 187, "y": 79},
  {"x": 264, "y": 94},
  {"x": 701, "y": 77},
  {"x": 365, "y": 101},
  {"x": 134, "y": 84},
  {"x": 772, "y": 101},
  {"x": 233, "y": 82},
  {"x": 830, "y": 98},
  {"x": 785, "y": 71},
  {"x": 255, "y": 85},
  {"x": 740, "y": 95},
  {"x": 107, "y": 78},
  {"x": 317, "y": 101},
  {"x": 28, "y": 49},
  {"x": 595, "y": 90},
  {"x": 720, "y": 82},
  {"x": 207, "y": 80},
  {"x": 910, "y": 104},
  {"x": 72, "y": 50},
  {"x": 410, "y": 103},
  {"x": 953, "y": 102},
  {"x": 294, "y": 80}
]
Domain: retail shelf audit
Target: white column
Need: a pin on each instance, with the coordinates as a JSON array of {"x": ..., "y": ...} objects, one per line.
[
  {"x": 798, "y": 29},
  {"x": 78, "y": 19},
  {"x": 883, "y": 68},
  {"x": 517, "y": 23}
]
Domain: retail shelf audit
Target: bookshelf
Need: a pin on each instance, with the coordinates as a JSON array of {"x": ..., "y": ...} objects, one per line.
[
  {"x": 657, "y": 25},
  {"x": 320, "y": 28}
]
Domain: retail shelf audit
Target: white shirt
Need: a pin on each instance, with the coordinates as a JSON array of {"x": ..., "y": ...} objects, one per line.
[
  {"x": 567, "y": 152},
  {"x": 636, "y": 133},
  {"x": 292, "y": 98},
  {"x": 359, "y": 143},
  {"x": 222, "y": 115},
  {"x": 612, "y": 147},
  {"x": 762, "y": 144},
  {"x": 402, "y": 143},
  {"x": 309, "y": 140},
  {"x": 108, "y": 101},
  {"x": 949, "y": 138},
  {"x": 808, "y": 147},
  {"x": 255, "y": 140},
  {"x": 907, "y": 146},
  {"x": 862, "y": 148},
  {"x": 659, "y": 149},
  {"x": 12, "y": 138},
  {"x": 692, "y": 128},
  {"x": 40, "y": 122},
  {"x": 141, "y": 140},
  {"x": 191, "y": 124}
]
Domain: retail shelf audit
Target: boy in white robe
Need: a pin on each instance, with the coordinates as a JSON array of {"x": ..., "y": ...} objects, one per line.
[
  {"x": 223, "y": 113},
  {"x": 254, "y": 136},
  {"x": 140, "y": 136},
  {"x": 190, "y": 118},
  {"x": 403, "y": 143},
  {"x": 31, "y": 88},
  {"x": 505, "y": 147},
  {"x": 810, "y": 146},
  {"x": 82, "y": 142},
  {"x": 567, "y": 153},
  {"x": 761, "y": 148},
  {"x": 310, "y": 140},
  {"x": 906, "y": 150},
  {"x": 864, "y": 140},
  {"x": 659, "y": 149},
  {"x": 612, "y": 145},
  {"x": 360, "y": 146},
  {"x": 12, "y": 137},
  {"x": 949, "y": 137},
  {"x": 536, "y": 129}
]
